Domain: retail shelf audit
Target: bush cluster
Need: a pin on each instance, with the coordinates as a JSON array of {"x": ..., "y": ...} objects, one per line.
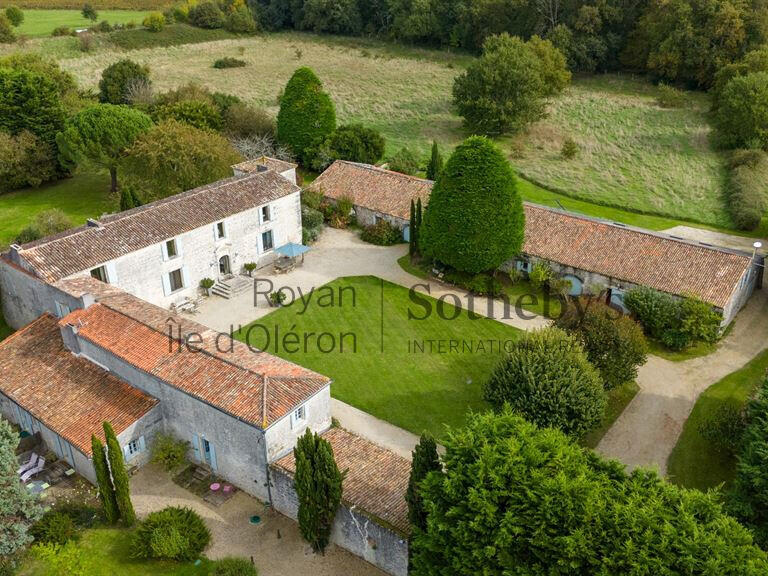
[
  {"x": 724, "y": 429},
  {"x": 172, "y": 533},
  {"x": 404, "y": 161},
  {"x": 338, "y": 214},
  {"x": 24, "y": 161},
  {"x": 747, "y": 187},
  {"x": 63, "y": 31},
  {"x": 242, "y": 120},
  {"x": 353, "y": 142},
  {"x": 197, "y": 113},
  {"x": 547, "y": 378},
  {"x": 44, "y": 223},
  {"x": 481, "y": 284},
  {"x": 677, "y": 323},
  {"x": 234, "y": 567},
  {"x": 170, "y": 452},
  {"x": 382, "y": 234},
  {"x": 228, "y": 62},
  {"x": 154, "y": 22},
  {"x": 117, "y": 80},
  {"x": 54, "y": 528}
]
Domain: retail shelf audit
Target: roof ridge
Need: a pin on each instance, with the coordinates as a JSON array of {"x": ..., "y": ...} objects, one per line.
[
  {"x": 640, "y": 230},
  {"x": 386, "y": 171}
]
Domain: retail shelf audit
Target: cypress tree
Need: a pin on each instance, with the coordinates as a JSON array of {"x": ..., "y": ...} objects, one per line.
[
  {"x": 412, "y": 228},
  {"x": 419, "y": 216},
  {"x": 435, "y": 165},
  {"x": 126, "y": 200},
  {"x": 425, "y": 460},
  {"x": 474, "y": 221},
  {"x": 318, "y": 484},
  {"x": 106, "y": 491},
  {"x": 119, "y": 476},
  {"x": 307, "y": 114}
]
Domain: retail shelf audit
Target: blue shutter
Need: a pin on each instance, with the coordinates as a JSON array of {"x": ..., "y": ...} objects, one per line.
[
  {"x": 142, "y": 444},
  {"x": 213, "y": 455},
  {"x": 196, "y": 447}
]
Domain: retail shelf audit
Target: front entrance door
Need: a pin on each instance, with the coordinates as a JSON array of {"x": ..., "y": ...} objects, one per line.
[
  {"x": 209, "y": 454},
  {"x": 225, "y": 268}
]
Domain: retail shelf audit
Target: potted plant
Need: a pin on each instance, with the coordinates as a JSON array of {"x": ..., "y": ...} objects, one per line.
[
  {"x": 277, "y": 298},
  {"x": 249, "y": 267},
  {"x": 206, "y": 284}
]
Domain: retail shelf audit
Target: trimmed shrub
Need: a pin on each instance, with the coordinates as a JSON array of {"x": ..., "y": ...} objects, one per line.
[
  {"x": 547, "y": 378},
  {"x": 382, "y": 234},
  {"x": 724, "y": 429},
  {"x": 155, "y": 22},
  {"x": 54, "y": 528},
  {"x": 7, "y": 34},
  {"x": 747, "y": 188},
  {"x": 404, "y": 161},
  {"x": 228, "y": 62},
  {"x": 172, "y": 533},
  {"x": 307, "y": 114},
  {"x": 234, "y": 567},
  {"x": 206, "y": 15},
  {"x": 169, "y": 451},
  {"x": 195, "y": 113},
  {"x": 24, "y": 161},
  {"x": 614, "y": 343},
  {"x": 474, "y": 220},
  {"x": 15, "y": 15},
  {"x": 118, "y": 77}
]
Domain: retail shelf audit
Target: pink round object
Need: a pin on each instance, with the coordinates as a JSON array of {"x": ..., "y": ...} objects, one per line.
[
  {"x": 227, "y": 488},
  {"x": 215, "y": 486}
]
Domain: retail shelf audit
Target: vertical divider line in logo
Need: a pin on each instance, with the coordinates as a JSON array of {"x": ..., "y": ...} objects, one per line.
[{"x": 381, "y": 327}]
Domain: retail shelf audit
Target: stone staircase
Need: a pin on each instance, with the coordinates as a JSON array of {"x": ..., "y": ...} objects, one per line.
[{"x": 232, "y": 286}]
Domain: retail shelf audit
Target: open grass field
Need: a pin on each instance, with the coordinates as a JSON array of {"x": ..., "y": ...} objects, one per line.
[
  {"x": 81, "y": 197},
  {"x": 147, "y": 5},
  {"x": 107, "y": 552},
  {"x": 43, "y": 22},
  {"x": 694, "y": 463},
  {"x": 416, "y": 390}
]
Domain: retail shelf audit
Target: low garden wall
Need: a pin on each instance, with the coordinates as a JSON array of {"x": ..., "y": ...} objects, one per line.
[{"x": 353, "y": 530}]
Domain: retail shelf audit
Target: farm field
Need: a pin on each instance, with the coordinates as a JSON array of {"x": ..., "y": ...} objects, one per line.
[
  {"x": 43, "y": 22},
  {"x": 418, "y": 391}
]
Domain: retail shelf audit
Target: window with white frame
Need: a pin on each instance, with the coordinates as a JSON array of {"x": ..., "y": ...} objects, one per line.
[
  {"x": 299, "y": 416},
  {"x": 266, "y": 214},
  {"x": 267, "y": 241},
  {"x": 176, "y": 280},
  {"x": 100, "y": 273},
  {"x": 221, "y": 230},
  {"x": 170, "y": 249},
  {"x": 134, "y": 447}
]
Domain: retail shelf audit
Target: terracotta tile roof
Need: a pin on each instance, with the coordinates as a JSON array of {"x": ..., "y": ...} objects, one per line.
[
  {"x": 376, "y": 481},
  {"x": 88, "y": 246},
  {"x": 371, "y": 187},
  {"x": 634, "y": 255},
  {"x": 229, "y": 378},
  {"x": 267, "y": 162},
  {"x": 70, "y": 395}
]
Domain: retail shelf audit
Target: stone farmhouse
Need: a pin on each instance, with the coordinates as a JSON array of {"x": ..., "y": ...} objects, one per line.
[
  {"x": 161, "y": 251},
  {"x": 579, "y": 248},
  {"x": 91, "y": 348}
]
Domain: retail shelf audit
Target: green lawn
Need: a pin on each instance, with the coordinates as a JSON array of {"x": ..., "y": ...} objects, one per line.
[
  {"x": 107, "y": 552},
  {"x": 416, "y": 390},
  {"x": 693, "y": 462},
  {"x": 43, "y": 22},
  {"x": 618, "y": 398},
  {"x": 81, "y": 197},
  {"x": 174, "y": 35}
]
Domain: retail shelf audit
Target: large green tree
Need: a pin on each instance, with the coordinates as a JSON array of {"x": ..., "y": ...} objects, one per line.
[
  {"x": 547, "y": 378},
  {"x": 173, "y": 157},
  {"x": 474, "y": 220},
  {"x": 741, "y": 118},
  {"x": 119, "y": 476},
  {"x": 18, "y": 508},
  {"x": 307, "y": 114},
  {"x": 506, "y": 88},
  {"x": 101, "y": 135},
  {"x": 104, "y": 481},
  {"x": 118, "y": 79},
  {"x": 514, "y": 499},
  {"x": 318, "y": 484},
  {"x": 614, "y": 343}
]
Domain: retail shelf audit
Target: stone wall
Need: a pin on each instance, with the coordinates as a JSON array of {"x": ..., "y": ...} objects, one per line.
[
  {"x": 380, "y": 545},
  {"x": 367, "y": 217}
]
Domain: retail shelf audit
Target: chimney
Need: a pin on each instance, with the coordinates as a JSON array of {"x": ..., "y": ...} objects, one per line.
[{"x": 69, "y": 337}]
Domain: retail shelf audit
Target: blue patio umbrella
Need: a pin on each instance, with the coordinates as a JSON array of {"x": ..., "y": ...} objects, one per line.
[{"x": 292, "y": 250}]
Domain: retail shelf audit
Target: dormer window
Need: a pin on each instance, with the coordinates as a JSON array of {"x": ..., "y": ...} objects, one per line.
[
  {"x": 100, "y": 274},
  {"x": 266, "y": 214}
]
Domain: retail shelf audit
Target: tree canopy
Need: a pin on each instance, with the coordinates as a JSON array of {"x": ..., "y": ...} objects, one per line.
[
  {"x": 118, "y": 79},
  {"x": 474, "y": 220},
  {"x": 742, "y": 114},
  {"x": 307, "y": 114},
  {"x": 514, "y": 499},
  {"x": 101, "y": 135}
]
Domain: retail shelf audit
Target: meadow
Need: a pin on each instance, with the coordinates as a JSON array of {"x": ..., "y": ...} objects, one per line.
[{"x": 43, "y": 22}]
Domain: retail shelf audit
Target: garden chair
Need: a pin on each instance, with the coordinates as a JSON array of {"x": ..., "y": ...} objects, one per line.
[
  {"x": 33, "y": 471},
  {"x": 28, "y": 464}
]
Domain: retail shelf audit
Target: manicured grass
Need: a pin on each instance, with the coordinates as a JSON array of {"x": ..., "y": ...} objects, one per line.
[
  {"x": 107, "y": 552},
  {"x": 84, "y": 196},
  {"x": 618, "y": 399},
  {"x": 169, "y": 36},
  {"x": 43, "y": 22},
  {"x": 634, "y": 154},
  {"x": 388, "y": 377},
  {"x": 98, "y": 4},
  {"x": 693, "y": 462},
  {"x": 696, "y": 351}
]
